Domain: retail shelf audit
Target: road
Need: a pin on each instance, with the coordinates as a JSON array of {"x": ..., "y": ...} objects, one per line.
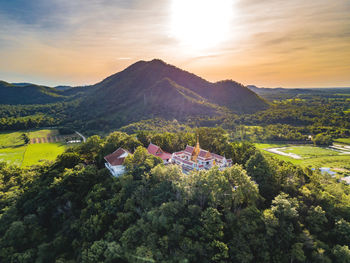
[{"x": 82, "y": 136}]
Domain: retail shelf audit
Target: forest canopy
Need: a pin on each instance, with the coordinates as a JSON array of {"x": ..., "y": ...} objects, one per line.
[{"x": 258, "y": 210}]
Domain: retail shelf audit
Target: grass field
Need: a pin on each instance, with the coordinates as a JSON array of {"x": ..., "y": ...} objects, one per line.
[
  {"x": 37, "y": 153},
  {"x": 310, "y": 151},
  {"x": 13, "y": 150},
  {"x": 12, "y": 155},
  {"x": 343, "y": 140},
  {"x": 10, "y": 139},
  {"x": 311, "y": 156}
]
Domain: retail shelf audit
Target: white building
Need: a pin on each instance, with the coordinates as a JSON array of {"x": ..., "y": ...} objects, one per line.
[
  {"x": 196, "y": 158},
  {"x": 114, "y": 161}
]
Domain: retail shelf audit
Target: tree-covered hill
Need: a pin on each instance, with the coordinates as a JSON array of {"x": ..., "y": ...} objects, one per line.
[
  {"x": 259, "y": 210},
  {"x": 156, "y": 89},
  {"x": 144, "y": 90},
  {"x": 28, "y": 94}
]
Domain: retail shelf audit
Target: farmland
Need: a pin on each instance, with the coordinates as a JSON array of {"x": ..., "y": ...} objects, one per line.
[
  {"x": 46, "y": 145},
  {"x": 310, "y": 156}
]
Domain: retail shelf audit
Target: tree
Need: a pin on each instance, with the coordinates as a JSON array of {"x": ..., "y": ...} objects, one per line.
[
  {"x": 281, "y": 221},
  {"x": 263, "y": 174},
  {"x": 323, "y": 140},
  {"x": 341, "y": 254},
  {"x": 25, "y": 138},
  {"x": 140, "y": 163}
]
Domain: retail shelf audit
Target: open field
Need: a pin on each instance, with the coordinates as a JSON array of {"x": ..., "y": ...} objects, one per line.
[
  {"x": 47, "y": 145},
  {"x": 10, "y": 139},
  {"x": 12, "y": 155},
  {"x": 343, "y": 140},
  {"x": 37, "y": 153},
  {"x": 311, "y": 156}
]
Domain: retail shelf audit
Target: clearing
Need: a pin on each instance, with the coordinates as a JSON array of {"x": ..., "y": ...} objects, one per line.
[
  {"x": 310, "y": 156},
  {"x": 46, "y": 144}
]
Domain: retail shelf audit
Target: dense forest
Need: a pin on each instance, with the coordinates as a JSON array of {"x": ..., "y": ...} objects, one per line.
[
  {"x": 285, "y": 120},
  {"x": 259, "y": 210},
  {"x": 157, "y": 96}
]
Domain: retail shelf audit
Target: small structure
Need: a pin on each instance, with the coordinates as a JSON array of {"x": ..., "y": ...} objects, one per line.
[
  {"x": 158, "y": 152},
  {"x": 114, "y": 161},
  {"x": 196, "y": 158}
]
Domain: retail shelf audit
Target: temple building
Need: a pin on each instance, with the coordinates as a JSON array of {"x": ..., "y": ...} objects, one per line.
[
  {"x": 115, "y": 161},
  {"x": 158, "y": 152},
  {"x": 195, "y": 158}
]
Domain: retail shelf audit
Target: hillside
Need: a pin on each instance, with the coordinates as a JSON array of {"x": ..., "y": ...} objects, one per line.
[
  {"x": 144, "y": 90},
  {"x": 271, "y": 94},
  {"x": 28, "y": 94},
  {"x": 156, "y": 89},
  {"x": 259, "y": 210}
]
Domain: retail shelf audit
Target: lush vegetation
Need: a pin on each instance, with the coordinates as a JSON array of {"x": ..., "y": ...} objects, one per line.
[
  {"x": 15, "y": 147},
  {"x": 144, "y": 90},
  {"x": 311, "y": 156},
  {"x": 259, "y": 210},
  {"x": 40, "y": 152}
]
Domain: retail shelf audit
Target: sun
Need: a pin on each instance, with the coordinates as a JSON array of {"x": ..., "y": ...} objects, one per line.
[{"x": 201, "y": 24}]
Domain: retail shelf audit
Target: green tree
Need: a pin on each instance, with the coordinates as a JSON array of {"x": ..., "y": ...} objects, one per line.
[
  {"x": 341, "y": 254},
  {"x": 140, "y": 162},
  {"x": 262, "y": 173},
  {"x": 25, "y": 138},
  {"x": 323, "y": 139}
]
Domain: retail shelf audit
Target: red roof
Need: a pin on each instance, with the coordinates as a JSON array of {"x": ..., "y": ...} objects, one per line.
[
  {"x": 204, "y": 153},
  {"x": 189, "y": 149},
  {"x": 157, "y": 151},
  {"x": 117, "y": 157},
  {"x": 216, "y": 156}
]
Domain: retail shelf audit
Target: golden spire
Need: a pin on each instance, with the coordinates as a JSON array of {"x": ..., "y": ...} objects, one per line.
[{"x": 196, "y": 150}]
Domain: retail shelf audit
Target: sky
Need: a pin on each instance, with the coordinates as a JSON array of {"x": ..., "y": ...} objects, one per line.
[{"x": 267, "y": 43}]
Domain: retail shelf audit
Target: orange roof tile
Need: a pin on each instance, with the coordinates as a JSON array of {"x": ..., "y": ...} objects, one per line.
[{"x": 117, "y": 157}]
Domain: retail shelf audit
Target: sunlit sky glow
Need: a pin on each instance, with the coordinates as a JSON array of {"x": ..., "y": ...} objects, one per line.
[{"x": 268, "y": 43}]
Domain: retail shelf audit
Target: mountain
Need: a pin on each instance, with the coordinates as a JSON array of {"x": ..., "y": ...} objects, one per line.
[
  {"x": 24, "y": 93},
  {"x": 27, "y": 93},
  {"x": 150, "y": 89},
  {"x": 144, "y": 90}
]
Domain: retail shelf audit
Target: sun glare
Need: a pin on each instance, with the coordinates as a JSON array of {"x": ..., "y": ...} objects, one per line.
[{"x": 201, "y": 24}]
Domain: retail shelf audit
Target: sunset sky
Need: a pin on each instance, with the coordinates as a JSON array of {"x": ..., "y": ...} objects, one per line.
[{"x": 270, "y": 43}]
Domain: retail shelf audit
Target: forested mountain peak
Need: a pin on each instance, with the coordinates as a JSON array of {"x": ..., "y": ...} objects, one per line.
[
  {"x": 148, "y": 89},
  {"x": 145, "y": 89}
]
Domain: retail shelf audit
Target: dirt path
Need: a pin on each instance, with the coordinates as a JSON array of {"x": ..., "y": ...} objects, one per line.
[
  {"x": 344, "y": 149},
  {"x": 279, "y": 152}
]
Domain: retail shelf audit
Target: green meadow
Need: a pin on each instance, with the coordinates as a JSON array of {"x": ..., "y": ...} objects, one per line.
[
  {"x": 40, "y": 152},
  {"x": 13, "y": 155},
  {"x": 311, "y": 156},
  {"x": 14, "y": 151},
  {"x": 342, "y": 140}
]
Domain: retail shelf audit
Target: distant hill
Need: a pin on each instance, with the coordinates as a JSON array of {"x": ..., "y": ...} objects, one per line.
[
  {"x": 27, "y": 93},
  {"x": 23, "y": 93},
  {"x": 283, "y": 93},
  {"x": 62, "y": 87},
  {"x": 156, "y": 89}
]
